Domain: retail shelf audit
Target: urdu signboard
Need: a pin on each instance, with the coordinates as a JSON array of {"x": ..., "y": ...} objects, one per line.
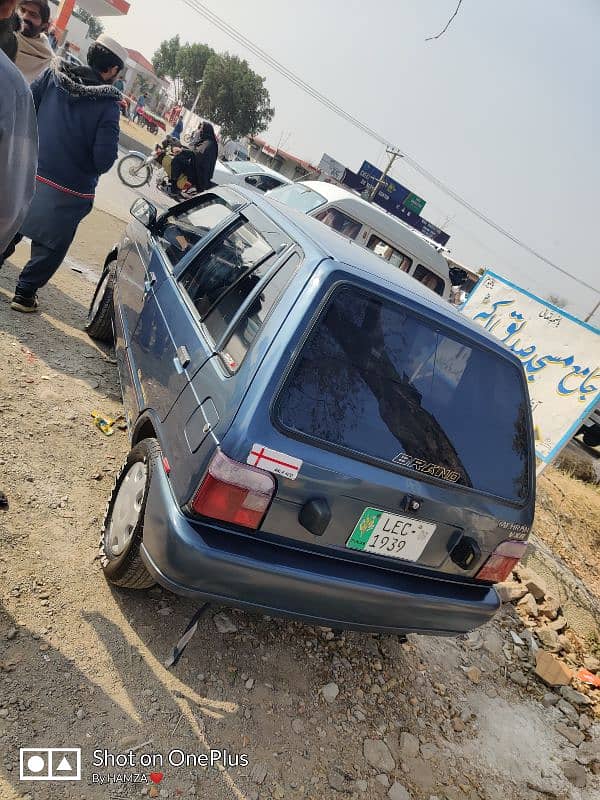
[
  {"x": 329, "y": 166},
  {"x": 560, "y": 355},
  {"x": 395, "y": 199},
  {"x": 391, "y": 195}
]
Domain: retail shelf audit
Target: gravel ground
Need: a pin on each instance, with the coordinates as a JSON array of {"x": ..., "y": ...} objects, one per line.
[{"x": 318, "y": 714}]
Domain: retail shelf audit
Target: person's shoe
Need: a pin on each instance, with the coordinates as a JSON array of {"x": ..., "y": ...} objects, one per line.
[{"x": 26, "y": 303}]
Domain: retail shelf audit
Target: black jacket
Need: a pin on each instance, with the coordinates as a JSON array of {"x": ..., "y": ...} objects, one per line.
[{"x": 205, "y": 156}]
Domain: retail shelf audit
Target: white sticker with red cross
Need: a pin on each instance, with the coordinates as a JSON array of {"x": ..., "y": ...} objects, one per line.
[{"x": 274, "y": 461}]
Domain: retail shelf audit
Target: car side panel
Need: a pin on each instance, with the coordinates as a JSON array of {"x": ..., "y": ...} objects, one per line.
[{"x": 214, "y": 396}]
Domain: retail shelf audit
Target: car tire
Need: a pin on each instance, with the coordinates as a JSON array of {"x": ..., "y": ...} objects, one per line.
[
  {"x": 100, "y": 317},
  {"x": 591, "y": 437},
  {"x": 123, "y": 528}
]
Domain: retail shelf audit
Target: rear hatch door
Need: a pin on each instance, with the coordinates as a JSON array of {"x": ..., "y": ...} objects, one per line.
[{"x": 383, "y": 440}]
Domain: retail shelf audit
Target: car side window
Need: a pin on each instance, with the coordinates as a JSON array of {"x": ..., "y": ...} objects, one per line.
[
  {"x": 429, "y": 279},
  {"x": 222, "y": 265},
  {"x": 255, "y": 313},
  {"x": 263, "y": 182},
  {"x": 181, "y": 231},
  {"x": 340, "y": 222},
  {"x": 384, "y": 250}
]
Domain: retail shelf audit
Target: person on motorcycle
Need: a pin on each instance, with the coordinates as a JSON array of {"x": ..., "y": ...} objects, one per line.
[{"x": 197, "y": 163}]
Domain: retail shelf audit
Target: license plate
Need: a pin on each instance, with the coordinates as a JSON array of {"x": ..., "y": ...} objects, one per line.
[{"x": 390, "y": 535}]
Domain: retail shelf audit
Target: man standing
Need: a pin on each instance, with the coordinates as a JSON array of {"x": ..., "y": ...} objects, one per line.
[
  {"x": 78, "y": 120},
  {"x": 139, "y": 106},
  {"x": 34, "y": 53},
  {"x": 18, "y": 134}
]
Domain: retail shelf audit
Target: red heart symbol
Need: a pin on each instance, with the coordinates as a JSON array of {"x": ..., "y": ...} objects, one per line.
[{"x": 156, "y": 777}]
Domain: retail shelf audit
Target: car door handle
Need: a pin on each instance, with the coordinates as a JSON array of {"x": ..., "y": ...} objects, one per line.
[
  {"x": 183, "y": 356},
  {"x": 149, "y": 282}
]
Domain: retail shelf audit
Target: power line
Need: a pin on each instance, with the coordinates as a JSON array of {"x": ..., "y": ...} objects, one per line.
[{"x": 233, "y": 33}]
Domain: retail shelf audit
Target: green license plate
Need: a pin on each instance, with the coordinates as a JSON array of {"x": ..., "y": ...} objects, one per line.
[{"x": 390, "y": 535}]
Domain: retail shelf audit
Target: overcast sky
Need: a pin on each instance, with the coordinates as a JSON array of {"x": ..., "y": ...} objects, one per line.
[{"x": 503, "y": 108}]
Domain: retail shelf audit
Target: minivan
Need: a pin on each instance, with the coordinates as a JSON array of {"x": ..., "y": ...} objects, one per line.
[
  {"x": 370, "y": 227},
  {"x": 313, "y": 433}
]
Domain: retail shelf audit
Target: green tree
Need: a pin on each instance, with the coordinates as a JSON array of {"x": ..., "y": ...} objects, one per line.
[
  {"x": 164, "y": 60},
  {"x": 190, "y": 64},
  {"x": 235, "y": 97},
  {"x": 144, "y": 86},
  {"x": 94, "y": 24}
]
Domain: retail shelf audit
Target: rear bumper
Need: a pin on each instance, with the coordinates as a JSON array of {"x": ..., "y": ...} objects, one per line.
[{"x": 203, "y": 561}]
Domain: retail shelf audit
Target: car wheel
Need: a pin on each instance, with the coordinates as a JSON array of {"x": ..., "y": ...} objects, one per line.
[
  {"x": 123, "y": 527},
  {"x": 591, "y": 437},
  {"x": 100, "y": 317}
]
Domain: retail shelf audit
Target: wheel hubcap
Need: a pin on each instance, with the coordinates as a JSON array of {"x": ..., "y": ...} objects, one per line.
[{"x": 127, "y": 508}]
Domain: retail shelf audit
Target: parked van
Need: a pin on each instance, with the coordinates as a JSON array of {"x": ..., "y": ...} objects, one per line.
[{"x": 370, "y": 227}]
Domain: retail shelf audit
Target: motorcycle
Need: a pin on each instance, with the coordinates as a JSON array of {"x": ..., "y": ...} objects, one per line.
[{"x": 136, "y": 170}]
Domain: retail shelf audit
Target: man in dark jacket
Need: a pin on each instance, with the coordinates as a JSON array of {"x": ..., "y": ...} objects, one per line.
[{"x": 78, "y": 122}]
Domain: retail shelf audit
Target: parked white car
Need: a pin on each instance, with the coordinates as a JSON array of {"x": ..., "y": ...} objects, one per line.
[{"x": 248, "y": 173}]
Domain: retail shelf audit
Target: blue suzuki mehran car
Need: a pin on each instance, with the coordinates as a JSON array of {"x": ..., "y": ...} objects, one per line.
[{"x": 314, "y": 434}]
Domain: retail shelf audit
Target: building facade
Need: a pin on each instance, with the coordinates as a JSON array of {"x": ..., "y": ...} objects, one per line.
[
  {"x": 287, "y": 164},
  {"x": 139, "y": 77},
  {"x": 72, "y": 30}
]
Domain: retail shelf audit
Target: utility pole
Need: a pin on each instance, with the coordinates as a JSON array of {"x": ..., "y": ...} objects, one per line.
[
  {"x": 197, "y": 97},
  {"x": 62, "y": 19},
  {"x": 393, "y": 153}
]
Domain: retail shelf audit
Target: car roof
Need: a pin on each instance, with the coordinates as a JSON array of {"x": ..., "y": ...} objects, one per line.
[
  {"x": 324, "y": 242},
  {"x": 386, "y": 224},
  {"x": 262, "y": 168},
  {"x": 222, "y": 165}
]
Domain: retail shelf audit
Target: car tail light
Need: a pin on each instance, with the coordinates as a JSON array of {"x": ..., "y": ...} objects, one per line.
[
  {"x": 502, "y": 561},
  {"x": 234, "y": 492}
]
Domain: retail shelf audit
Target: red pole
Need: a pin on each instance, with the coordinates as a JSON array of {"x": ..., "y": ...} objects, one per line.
[{"x": 62, "y": 20}]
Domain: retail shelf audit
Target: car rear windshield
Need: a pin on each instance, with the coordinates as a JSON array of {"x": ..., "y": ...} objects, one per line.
[
  {"x": 243, "y": 167},
  {"x": 375, "y": 379},
  {"x": 297, "y": 196}
]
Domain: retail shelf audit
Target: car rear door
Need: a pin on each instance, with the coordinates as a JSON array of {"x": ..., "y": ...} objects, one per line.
[{"x": 230, "y": 291}]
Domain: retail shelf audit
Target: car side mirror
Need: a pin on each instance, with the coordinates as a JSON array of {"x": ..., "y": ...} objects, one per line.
[{"x": 144, "y": 212}]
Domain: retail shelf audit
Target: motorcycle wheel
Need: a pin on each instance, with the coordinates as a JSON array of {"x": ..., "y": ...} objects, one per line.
[{"x": 133, "y": 172}]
